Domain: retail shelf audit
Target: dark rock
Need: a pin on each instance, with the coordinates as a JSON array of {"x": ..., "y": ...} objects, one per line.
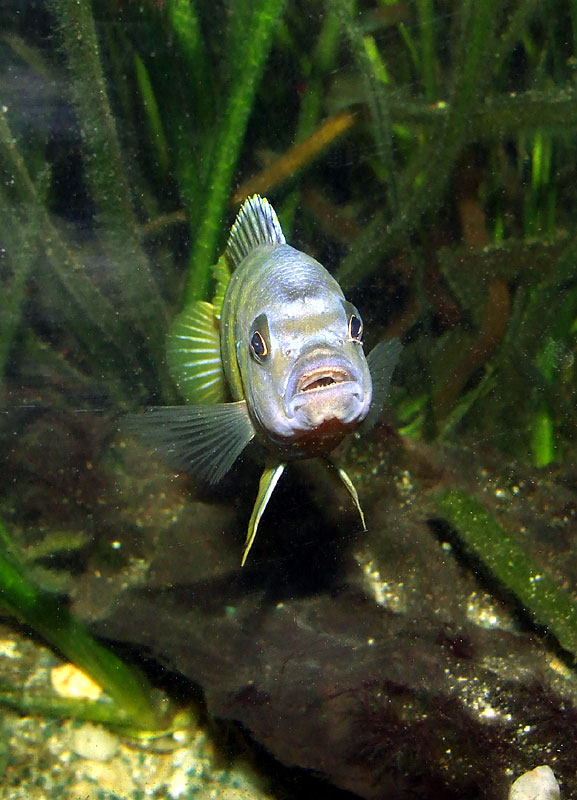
[{"x": 382, "y": 661}]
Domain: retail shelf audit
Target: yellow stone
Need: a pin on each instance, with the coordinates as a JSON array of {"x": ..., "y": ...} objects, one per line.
[{"x": 69, "y": 681}]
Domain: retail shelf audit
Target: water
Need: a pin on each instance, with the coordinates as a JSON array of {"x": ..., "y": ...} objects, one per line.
[{"x": 425, "y": 154}]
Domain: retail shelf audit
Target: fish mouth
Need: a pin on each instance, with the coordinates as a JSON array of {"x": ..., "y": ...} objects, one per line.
[
  {"x": 321, "y": 378},
  {"x": 323, "y": 387}
]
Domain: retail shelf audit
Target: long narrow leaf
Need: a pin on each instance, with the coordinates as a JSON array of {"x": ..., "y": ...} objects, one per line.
[{"x": 229, "y": 138}]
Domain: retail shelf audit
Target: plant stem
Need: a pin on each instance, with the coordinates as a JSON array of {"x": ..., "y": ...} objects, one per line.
[{"x": 296, "y": 157}]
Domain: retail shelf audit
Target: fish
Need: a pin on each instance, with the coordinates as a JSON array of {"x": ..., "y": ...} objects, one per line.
[{"x": 277, "y": 357}]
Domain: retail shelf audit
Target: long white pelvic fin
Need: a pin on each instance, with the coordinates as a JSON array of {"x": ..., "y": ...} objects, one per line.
[
  {"x": 266, "y": 486},
  {"x": 382, "y": 361},
  {"x": 256, "y": 223},
  {"x": 349, "y": 486},
  {"x": 205, "y": 440}
]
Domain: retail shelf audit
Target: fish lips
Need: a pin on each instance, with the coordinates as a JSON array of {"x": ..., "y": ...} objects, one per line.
[{"x": 324, "y": 386}]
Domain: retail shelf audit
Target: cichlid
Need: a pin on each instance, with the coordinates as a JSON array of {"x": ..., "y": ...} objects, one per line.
[{"x": 281, "y": 341}]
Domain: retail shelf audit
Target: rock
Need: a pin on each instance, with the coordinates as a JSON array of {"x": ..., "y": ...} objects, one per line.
[
  {"x": 93, "y": 742},
  {"x": 69, "y": 681},
  {"x": 538, "y": 784},
  {"x": 384, "y": 661}
]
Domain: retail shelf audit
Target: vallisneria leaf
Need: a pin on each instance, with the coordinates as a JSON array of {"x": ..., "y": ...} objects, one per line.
[{"x": 541, "y": 597}]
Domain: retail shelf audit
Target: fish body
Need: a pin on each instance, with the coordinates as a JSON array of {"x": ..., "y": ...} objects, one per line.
[
  {"x": 308, "y": 382},
  {"x": 283, "y": 344}
]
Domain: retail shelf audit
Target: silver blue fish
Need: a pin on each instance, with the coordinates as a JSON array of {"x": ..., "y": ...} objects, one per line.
[{"x": 281, "y": 343}]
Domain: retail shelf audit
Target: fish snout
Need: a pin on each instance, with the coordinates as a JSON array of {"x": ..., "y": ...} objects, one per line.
[{"x": 324, "y": 386}]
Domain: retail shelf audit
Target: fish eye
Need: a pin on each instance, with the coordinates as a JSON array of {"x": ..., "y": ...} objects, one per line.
[
  {"x": 259, "y": 339},
  {"x": 355, "y": 328},
  {"x": 258, "y": 346}
]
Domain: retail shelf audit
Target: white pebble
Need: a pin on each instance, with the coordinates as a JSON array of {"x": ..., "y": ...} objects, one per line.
[
  {"x": 539, "y": 784},
  {"x": 93, "y": 743}
]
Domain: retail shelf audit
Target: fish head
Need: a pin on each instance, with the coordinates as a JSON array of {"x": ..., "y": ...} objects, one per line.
[{"x": 306, "y": 378}]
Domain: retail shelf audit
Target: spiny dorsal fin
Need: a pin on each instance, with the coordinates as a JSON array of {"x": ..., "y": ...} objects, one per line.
[{"x": 255, "y": 224}]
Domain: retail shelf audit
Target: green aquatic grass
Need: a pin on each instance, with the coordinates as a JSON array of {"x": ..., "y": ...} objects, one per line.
[
  {"x": 478, "y": 55},
  {"x": 190, "y": 150},
  {"x": 105, "y": 172},
  {"x": 505, "y": 559},
  {"x": 89, "y": 315},
  {"x": 256, "y": 41},
  {"x": 315, "y": 72},
  {"x": 153, "y": 117},
  {"x": 132, "y": 700},
  {"x": 376, "y": 96},
  {"x": 185, "y": 26}
]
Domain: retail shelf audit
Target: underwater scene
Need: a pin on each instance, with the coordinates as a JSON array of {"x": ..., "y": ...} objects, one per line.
[{"x": 288, "y": 395}]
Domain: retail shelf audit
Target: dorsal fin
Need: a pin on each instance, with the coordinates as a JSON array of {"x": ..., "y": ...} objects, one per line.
[{"x": 255, "y": 224}]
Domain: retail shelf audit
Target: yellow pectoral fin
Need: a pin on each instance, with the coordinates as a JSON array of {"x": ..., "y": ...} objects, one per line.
[
  {"x": 268, "y": 481},
  {"x": 349, "y": 487},
  {"x": 193, "y": 355}
]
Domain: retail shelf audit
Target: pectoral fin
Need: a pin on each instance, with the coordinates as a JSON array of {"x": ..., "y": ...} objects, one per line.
[
  {"x": 203, "y": 439},
  {"x": 266, "y": 486},
  {"x": 382, "y": 361},
  {"x": 349, "y": 486},
  {"x": 193, "y": 354}
]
